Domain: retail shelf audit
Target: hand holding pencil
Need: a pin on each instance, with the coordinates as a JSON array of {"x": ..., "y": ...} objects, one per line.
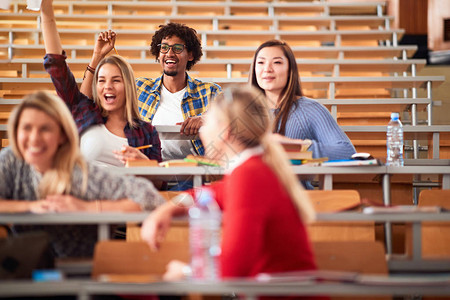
[
  {"x": 105, "y": 43},
  {"x": 131, "y": 153}
]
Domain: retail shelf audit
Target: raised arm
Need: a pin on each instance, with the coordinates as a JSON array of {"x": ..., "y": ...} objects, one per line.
[
  {"x": 103, "y": 45},
  {"x": 50, "y": 33},
  {"x": 54, "y": 60}
]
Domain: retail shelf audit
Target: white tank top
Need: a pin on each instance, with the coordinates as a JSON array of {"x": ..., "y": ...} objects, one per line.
[
  {"x": 97, "y": 145},
  {"x": 169, "y": 113}
]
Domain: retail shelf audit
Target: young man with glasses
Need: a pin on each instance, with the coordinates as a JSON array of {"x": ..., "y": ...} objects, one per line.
[{"x": 175, "y": 97}]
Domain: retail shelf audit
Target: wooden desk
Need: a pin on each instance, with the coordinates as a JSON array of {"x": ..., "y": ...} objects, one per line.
[{"x": 104, "y": 219}]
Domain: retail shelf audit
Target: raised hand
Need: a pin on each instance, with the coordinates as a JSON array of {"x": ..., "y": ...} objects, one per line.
[{"x": 105, "y": 43}]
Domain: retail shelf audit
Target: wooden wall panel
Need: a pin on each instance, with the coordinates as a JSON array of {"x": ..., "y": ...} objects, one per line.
[{"x": 413, "y": 16}]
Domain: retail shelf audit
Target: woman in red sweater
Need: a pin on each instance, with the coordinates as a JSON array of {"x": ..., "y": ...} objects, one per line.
[{"x": 264, "y": 207}]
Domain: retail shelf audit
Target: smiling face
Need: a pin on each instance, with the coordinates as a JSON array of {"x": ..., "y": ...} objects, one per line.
[
  {"x": 38, "y": 138},
  {"x": 272, "y": 70},
  {"x": 174, "y": 64},
  {"x": 111, "y": 88}
]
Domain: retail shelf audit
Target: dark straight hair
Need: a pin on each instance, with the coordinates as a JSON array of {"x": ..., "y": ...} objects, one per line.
[{"x": 291, "y": 92}]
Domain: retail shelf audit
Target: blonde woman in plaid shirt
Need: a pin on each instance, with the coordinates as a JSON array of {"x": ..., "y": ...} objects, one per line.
[{"x": 109, "y": 122}]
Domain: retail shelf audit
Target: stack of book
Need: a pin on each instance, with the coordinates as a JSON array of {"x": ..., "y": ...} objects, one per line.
[
  {"x": 141, "y": 163},
  {"x": 189, "y": 161},
  {"x": 202, "y": 160},
  {"x": 297, "y": 152},
  {"x": 177, "y": 163}
]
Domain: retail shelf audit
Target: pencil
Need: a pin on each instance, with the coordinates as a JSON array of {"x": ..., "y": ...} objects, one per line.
[
  {"x": 144, "y": 147},
  {"x": 116, "y": 50}
]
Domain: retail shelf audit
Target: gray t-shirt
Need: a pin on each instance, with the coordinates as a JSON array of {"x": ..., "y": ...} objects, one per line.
[{"x": 20, "y": 181}]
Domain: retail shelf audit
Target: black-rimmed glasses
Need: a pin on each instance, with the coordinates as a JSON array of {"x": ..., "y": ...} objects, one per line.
[{"x": 176, "y": 48}]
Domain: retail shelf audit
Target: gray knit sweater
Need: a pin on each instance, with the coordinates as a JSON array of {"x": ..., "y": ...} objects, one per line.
[{"x": 20, "y": 181}]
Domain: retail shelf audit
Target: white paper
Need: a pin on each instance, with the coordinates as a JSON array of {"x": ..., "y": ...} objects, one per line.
[
  {"x": 34, "y": 5},
  {"x": 4, "y": 4}
]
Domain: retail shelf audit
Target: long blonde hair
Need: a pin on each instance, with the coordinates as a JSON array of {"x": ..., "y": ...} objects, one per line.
[
  {"x": 58, "y": 179},
  {"x": 131, "y": 105},
  {"x": 249, "y": 122}
]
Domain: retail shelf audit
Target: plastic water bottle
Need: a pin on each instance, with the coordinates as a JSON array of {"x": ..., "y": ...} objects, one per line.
[
  {"x": 204, "y": 236},
  {"x": 394, "y": 141}
]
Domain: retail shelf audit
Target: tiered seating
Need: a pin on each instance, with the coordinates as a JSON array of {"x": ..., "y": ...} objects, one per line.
[
  {"x": 347, "y": 53},
  {"x": 348, "y": 58}
]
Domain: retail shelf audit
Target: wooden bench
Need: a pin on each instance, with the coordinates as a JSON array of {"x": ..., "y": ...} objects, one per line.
[
  {"x": 29, "y": 51},
  {"x": 435, "y": 235},
  {"x": 308, "y": 83},
  {"x": 334, "y": 201},
  {"x": 135, "y": 261},
  {"x": 232, "y": 68},
  {"x": 203, "y": 22},
  {"x": 216, "y": 37},
  {"x": 216, "y": 8},
  {"x": 362, "y": 257},
  {"x": 368, "y": 52}
]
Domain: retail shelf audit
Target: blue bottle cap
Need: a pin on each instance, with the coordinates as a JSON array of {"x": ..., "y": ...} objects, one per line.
[{"x": 395, "y": 116}]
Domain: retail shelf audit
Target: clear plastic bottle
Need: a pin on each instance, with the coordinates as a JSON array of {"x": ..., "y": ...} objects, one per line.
[
  {"x": 204, "y": 236},
  {"x": 394, "y": 141}
]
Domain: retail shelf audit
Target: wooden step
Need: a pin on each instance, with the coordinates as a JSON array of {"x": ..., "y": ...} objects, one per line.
[
  {"x": 212, "y": 37},
  {"x": 217, "y": 8}
]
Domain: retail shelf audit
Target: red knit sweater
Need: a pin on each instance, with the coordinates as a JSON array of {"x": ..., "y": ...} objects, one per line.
[{"x": 262, "y": 231}]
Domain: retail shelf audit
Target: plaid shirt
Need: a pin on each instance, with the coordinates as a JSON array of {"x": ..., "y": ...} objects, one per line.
[
  {"x": 195, "y": 101},
  {"x": 86, "y": 113}
]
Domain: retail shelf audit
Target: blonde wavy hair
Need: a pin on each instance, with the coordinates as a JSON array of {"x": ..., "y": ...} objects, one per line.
[
  {"x": 58, "y": 179},
  {"x": 249, "y": 121},
  {"x": 131, "y": 105}
]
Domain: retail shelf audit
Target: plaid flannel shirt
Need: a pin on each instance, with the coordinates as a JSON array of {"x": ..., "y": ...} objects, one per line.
[
  {"x": 194, "y": 103},
  {"x": 86, "y": 113}
]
